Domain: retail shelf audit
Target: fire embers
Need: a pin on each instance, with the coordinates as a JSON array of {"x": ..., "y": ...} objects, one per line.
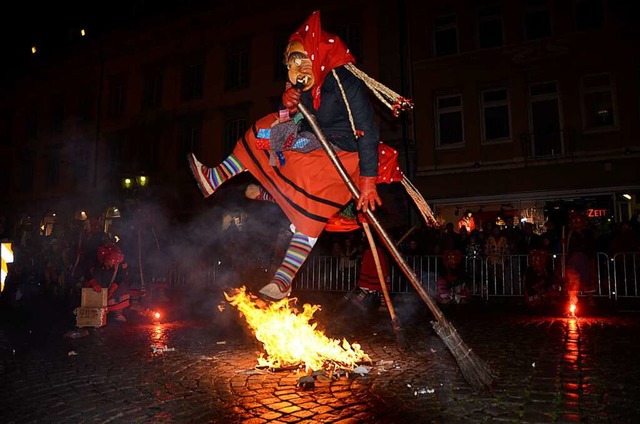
[{"x": 290, "y": 339}]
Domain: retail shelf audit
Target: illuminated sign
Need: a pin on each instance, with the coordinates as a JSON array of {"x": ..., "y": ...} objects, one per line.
[{"x": 596, "y": 213}]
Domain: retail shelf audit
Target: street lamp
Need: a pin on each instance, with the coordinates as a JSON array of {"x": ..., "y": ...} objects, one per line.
[
  {"x": 133, "y": 186},
  {"x": 139, "y": 181}
]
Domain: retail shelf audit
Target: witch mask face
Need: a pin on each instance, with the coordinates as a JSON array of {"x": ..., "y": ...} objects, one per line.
[{"x": 299, "y": 66}]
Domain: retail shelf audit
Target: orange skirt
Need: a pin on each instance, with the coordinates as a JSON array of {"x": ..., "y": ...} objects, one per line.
[{"x": 307, "y": 186}]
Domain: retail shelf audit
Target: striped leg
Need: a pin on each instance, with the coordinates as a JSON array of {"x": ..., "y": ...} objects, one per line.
[
  {"x": 257, "y": 192},
  {"x": 299, "y": 248},
  {"x": 209, "y": 179}
]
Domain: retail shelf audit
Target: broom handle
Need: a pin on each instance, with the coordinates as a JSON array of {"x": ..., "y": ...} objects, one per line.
[
  {"x": 383, "y": 284},
  {"x": 408, "y": 272}
]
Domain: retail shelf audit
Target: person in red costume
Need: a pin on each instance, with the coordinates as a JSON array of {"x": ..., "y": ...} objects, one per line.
[
  {"x": 452, "y": 284},
  {"x": 368, "y": 295},
  {"x": 282, "y": 153},
  {"x": 540, "y": 282},
  {"x": 110, "y": 273}
]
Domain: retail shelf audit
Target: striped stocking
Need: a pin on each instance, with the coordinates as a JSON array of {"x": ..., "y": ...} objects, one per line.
[
  {"x": 299, "y": 248},
  {"x": 229, "y": 167}
]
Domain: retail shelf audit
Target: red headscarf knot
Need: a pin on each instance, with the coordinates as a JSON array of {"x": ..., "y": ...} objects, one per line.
[
  {"x": 110, "y": 251},
  {"x": 326, "y": 51}
]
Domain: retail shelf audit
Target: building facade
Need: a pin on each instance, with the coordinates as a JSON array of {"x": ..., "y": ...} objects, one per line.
[
  {"x": 523, "y": 107},
  {"x": 520, "y": 106}
]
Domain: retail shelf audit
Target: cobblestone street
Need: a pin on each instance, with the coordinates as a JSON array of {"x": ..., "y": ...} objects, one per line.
[{"x": 551, "y": 370}]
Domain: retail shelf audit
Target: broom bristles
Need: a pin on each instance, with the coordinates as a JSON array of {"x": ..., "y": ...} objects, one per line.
[{"x": 477, "y": 373}]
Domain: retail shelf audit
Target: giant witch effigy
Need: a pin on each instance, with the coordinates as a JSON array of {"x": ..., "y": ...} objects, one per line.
[{"x": 282, "y": 152}]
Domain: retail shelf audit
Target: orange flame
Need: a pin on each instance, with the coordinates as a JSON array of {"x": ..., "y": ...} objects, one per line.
[
  {"x": 157, "y": 315},
  {"x": 288, "y": 337}
]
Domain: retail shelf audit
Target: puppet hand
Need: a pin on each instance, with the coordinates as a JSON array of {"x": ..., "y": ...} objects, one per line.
[
  {"x": 112, "y": 288},
  {"x": 291, "y": 98},
  {"x": 368, "y": 194},
  {"x": 95, "y": 286}
]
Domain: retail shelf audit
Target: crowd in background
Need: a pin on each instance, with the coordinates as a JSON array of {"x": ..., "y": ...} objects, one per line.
[
  {"x": 56, "y": 265},
  {"x": 491, "y": 239}
]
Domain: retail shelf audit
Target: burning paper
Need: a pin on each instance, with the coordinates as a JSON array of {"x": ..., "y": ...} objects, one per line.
[{"x": 289, "y": 338}]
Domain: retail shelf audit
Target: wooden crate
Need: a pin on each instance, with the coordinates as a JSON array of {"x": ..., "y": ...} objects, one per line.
[
  {"x": 91, "y": 317},
  {"x": 91, "y": 299}
]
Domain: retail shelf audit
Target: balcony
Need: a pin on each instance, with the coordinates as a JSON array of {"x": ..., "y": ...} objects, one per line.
[{"x": 548, "y": 144}]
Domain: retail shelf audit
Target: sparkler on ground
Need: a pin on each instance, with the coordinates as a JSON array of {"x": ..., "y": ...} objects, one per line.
[{"x": 477, "y": 373}]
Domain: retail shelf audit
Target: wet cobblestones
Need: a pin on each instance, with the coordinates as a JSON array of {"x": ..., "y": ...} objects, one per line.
[{"x": 551, "y": 370}]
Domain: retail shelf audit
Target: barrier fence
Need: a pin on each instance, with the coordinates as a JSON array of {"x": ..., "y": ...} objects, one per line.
[{"x": 614, "y": 277}]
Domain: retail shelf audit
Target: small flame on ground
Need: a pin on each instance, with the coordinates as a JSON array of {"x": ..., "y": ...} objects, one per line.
[
  {"x": 156, "y": 315},
  {"x": 572, "y": 309},
  {"x": 288, "y": 337}
]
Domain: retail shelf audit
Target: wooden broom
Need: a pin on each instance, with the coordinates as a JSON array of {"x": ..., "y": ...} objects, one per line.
[
  {"x": 477, "y": 373},
  {"x": 397, "y": 328}
]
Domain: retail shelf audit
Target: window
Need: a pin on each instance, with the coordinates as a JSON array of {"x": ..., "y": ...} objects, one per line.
[
  {"x": 53, "y": 169},
  {"x": 280, "y": 69},
  {"x": 449, "y": 120},
  {"x": 537, "y": 20},
  {"x": 546, "y": 138},
  {"x": 5, "y": 127},
  {"x": 236, "y": 73},
  {"x": 445, "y": 36},
  {"x": 192, "y": 84},
  {"x": 490, "y": 27},
  {"x": 86, "y": 105},
  {"x": 190, "y": 137},
  {"x": 117, "y": 97},
  {"x": 57, "y": 117},
  {"x": 495, "y": 115},
  {"x": 152, "y": 89},
  {"x": 5, "y": 175},
  {"x": 81, "y": 163},
  {"x": 598, "y": 102},
  {"x": 115, "y": 153},
  {"x": 351, "y": 34},
  {"x": 27, "y": 167},
  {"x": 32, "y": 125},
  {"x": 233, "y": 130},
  {"x": 589, "y": 14}
]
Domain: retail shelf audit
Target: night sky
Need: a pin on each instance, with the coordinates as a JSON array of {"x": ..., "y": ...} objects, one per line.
[{"x": 53, "y": 26}]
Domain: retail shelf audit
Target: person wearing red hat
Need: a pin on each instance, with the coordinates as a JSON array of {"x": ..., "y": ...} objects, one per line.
[
  {"x": 540, "y": 284},
  {"x": 281, "y": 151},
  {"x": 110, "y": 273},
  {"x": 452, "y": 284}
]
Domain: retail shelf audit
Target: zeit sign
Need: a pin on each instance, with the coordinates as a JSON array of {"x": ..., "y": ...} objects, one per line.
[{"x": 596, "y": 213}]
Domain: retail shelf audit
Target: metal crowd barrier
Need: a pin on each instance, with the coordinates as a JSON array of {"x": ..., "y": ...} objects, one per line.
[{"x": 503, "y": 276}]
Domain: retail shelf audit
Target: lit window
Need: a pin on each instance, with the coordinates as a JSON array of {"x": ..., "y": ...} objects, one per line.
[{"x": 598, "y": 102}]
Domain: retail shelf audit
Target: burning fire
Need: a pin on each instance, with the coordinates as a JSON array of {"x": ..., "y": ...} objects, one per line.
[{"x": 288, "y": 337}]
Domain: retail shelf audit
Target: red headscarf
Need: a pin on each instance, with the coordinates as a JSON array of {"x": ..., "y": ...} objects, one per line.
[
  {"x": 110, "y": 251},
  {"x": 326, "y": 51}
]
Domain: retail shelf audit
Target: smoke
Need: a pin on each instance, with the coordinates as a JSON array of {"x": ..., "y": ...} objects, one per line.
[{"x": 230, "y": 243}]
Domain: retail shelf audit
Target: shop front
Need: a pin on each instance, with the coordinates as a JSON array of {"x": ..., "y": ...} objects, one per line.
[{"x": 601, "y": 209}]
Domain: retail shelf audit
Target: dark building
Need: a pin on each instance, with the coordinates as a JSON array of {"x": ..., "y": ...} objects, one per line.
[
  {"x": 517, "y": 103},
  {"x": 526, "y": 105}
]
